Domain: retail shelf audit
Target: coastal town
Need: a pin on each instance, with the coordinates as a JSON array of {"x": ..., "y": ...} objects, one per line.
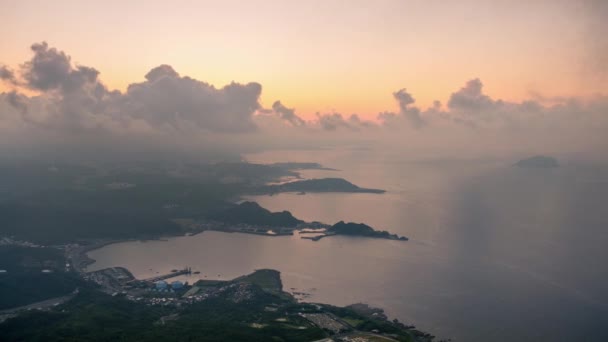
[{"x": 162, "y": 291}]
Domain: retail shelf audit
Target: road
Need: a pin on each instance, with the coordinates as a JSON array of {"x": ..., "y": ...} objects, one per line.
[{"x": 45, "y": 304}]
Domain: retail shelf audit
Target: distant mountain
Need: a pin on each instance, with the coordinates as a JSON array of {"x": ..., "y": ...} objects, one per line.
[
  {"x": 252, "y": 213},
  {"x": 320, "y": 185},
  {"x": 538, "y": 162}
]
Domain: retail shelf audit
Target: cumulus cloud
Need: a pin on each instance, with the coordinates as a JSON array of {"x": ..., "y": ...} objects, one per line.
[
  {"x": 409, "y": 113},
  {"x": 287, "y": 114},
  {"x": 7, "y": 75},
  {"x": 166, "y": 98},
  {"x": 470, "y": 98},
  {"x": 335, "y": 121},
  {"x": 169, "y": 112},
  {"x": 18, "y": 101},
  {"x": 79, "y": 100},
  {"x": 74, "y": 112},
  {"x": 51, "y": 69},
  {"x": 331, "y": 122}
]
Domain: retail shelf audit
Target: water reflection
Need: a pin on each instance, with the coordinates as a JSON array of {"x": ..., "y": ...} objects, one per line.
[{"x": 496, "y": 253}]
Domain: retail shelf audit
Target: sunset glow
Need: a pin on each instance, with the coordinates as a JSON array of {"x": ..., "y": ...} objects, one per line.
[{"x": 322, "y": 56}]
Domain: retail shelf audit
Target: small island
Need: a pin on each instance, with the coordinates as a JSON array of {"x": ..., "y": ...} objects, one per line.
[
  {"x": 319, "y": 185},
  {"x": 541, "y": 162},
  {"x": 355, "y": 229}
]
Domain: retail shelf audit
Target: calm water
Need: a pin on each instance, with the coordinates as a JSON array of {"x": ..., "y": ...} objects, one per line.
[{"x": 496, "y": 253}]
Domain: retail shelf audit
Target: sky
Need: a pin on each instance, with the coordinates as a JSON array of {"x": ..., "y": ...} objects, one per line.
[
  {"x": 219, "y": 79},
  {"x": 326, "y": 56}
]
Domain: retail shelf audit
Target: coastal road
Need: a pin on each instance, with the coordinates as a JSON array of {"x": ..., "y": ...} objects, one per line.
[{"x": 45, "y": 304}]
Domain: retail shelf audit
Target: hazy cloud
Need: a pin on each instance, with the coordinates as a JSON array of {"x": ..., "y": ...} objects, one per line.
[
  {"x": 51, "y": 69},
  {"x": 331, "y": 122},
  {"x": 287, "y": 114},
  {"x": 334, "y": 121},
  {"x": 78, "y": 100},
  {"x": 76, "y": 112},
  {"x": 470, "y": 98},
  {"x": 411, "y": 113},
  {"x": 7, "y": 74},
  {"x": 407, "y": 111},
  {"x": 161, "y": 71},
  {"x": 18, "y": 101},
  {"x": 166, "y": 98}
]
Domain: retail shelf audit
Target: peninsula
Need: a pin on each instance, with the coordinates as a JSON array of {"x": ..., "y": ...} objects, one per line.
[
  {"x": 253, "y": 214},
  {"x": 355, "y": 229},
  {"x": 318, "y": 185},
  {"x": 250, "y": 218}
]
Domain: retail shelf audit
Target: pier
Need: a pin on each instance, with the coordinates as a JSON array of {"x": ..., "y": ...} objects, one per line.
[{"x": 186, "y": 270}]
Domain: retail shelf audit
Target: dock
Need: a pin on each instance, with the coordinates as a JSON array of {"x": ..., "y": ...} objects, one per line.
[{"x": 154, "y": 279}]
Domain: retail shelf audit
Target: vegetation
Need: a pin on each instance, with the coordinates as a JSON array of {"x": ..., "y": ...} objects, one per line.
[
  {"x": 90, "y": 316},
  {"x": 252, "y": 213},
  {"x": 144, "y": 210},
  {"x": 268, "y": 280},
  {"x": 52, "y": 203},
  {"x": 264, "y": 316},
  {"x": 24, "y": 282},
  {"x": 63, "y": 204},
  {"x": 318, "y": 185},
  {"x": 93, "y": 316},
  {"x": 248, "y": 308}
]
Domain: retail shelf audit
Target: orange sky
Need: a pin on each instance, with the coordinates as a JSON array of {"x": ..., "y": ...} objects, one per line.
[{"x": 347, "y": 56}]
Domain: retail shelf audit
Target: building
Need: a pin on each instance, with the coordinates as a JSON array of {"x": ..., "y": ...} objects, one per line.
[
  {"x": 177, "y": 285},
  {"x": 161, "y": 285}
]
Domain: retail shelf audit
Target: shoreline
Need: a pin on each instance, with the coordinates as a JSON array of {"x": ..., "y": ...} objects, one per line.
[{"x": 83, "y": 260}]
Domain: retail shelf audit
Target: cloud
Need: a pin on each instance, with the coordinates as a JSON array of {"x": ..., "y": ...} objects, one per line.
[
  {"x": 161, "y": 71},
  {"x": 407, "y": 112},
  {"x": 18, "y": 102},
  {"x": 80, "y": 101},
  {"x": 50, "y": 69},
  {"x": 470, "y": 98},
  {"x": 412, "y": 114},
  {"x": 287, "y": 114},
  {"x": 74, "y": 112},
  {"x": 356, "y": 121},
  {"x": 167, "y": 99},
  {"x": 335, "y": 121},
  {"x": 7, "y": 75},
  {"x": 331, "y": 122}
]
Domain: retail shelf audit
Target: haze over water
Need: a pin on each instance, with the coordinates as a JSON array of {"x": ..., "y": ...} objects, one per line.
[{"x": 495, "y": 253}]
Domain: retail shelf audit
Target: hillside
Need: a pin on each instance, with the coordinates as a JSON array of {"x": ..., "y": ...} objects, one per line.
[
  {"x": 320, "y": 185},
  {"x": 252, "y": 213}
]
